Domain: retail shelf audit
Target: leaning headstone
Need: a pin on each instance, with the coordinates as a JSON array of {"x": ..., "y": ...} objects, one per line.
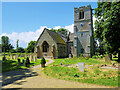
[
  {"x": 23, "y": 61},
  {"x": 107, "y": 58},
  {"x": 81, "y": 66}
]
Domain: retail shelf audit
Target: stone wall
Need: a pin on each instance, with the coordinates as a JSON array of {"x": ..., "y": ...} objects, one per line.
[{"x": 46, "y": 37}]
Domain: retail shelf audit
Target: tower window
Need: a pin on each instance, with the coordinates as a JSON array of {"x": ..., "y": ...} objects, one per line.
[{"x": 81, "y": 15}]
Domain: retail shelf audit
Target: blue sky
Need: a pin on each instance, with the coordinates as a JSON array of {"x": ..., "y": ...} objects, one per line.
[{"x": 22, "y": 17}]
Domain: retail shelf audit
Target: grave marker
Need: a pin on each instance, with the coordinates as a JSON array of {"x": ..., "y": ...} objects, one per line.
[
  {"x": 81, "y": 66},
  {"x": 31, "y": 57},
  {"x": 16, "y": 57},
  {"x": 11, "y": 57},
  {"x": 70, "y": 55},
  {"x": 34, "y": 58},
  {"x": 107, "y": 59}
]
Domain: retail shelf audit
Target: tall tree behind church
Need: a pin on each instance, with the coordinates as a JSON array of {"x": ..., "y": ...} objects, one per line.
[{"x": 108, "y": 26}]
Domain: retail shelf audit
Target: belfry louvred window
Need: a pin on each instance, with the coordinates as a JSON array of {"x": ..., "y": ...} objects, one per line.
[{"x": 81, "y": 15}]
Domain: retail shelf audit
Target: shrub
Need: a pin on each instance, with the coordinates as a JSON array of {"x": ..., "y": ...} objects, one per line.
[
  {"x": 27, "y": 62},
  {"x": 4, "y": 58},
  {"x": 94, "y": 56},
  {"x": 86, "y": 58},
  {"x": 43, "y": 62}
]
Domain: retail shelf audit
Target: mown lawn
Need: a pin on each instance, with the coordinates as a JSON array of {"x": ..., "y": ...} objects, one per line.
[
  {"x": 9, "y": 65},
  {"x": 93, "y": 74}
]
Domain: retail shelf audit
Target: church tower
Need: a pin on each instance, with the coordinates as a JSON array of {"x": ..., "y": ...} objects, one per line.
[{"x": 83, "y": 31}]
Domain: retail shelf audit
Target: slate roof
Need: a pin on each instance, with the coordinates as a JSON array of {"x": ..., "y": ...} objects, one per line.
[{"x": 56, "y": 37}]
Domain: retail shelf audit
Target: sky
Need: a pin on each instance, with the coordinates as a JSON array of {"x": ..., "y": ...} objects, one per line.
[{"x": 26, "y": 20}]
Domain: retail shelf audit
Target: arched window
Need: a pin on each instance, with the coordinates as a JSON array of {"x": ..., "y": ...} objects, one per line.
[{"x": 45, "y": 46}]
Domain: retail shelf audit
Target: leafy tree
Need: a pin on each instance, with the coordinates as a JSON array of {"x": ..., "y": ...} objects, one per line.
[
  {"x": 6, "y": 46},
  {"x": 30, "y": 47},
  {"x": 20, "y": 50},
  {"x": 107, "y": 26},
  {"x": 61, "y": 30}
]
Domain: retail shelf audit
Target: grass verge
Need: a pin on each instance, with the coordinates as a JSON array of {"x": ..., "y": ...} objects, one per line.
[{"x": 92, "y": 74}]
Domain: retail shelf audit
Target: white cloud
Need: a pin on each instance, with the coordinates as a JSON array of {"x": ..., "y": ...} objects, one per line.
[
  {"x": 70, "y": 28},
  {"x": 25, "y": 37},
  {"x": 57, "y": 27}
]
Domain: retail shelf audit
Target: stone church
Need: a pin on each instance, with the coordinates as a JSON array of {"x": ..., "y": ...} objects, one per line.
[{"x": 51, "y": 44}]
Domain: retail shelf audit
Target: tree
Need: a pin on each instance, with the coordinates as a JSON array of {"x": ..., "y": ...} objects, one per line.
[
  {"x": 61, "y": 30},
  {"x": 6, "y": 46},
  {"x": 17, "y": 44},
  {"x": 20, "y": 50},
  {"x": 30, "y": 47},
  {"x": 107, "y": 26}
]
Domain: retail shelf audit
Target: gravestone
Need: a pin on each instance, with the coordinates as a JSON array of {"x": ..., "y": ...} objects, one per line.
[
  {"x": 34, "y": 58},
  {"x": 25, "y": 56},
  {"x": 23, "y": 61},
  {"x": 11, "y": 56},
  {"x": 70, "y": 55},
  {"x": 81, "y": 66},
  {"x": 107, "y": 59},
  {"x": 16, "y": 57},
  {"x": 31, "y": 57}
]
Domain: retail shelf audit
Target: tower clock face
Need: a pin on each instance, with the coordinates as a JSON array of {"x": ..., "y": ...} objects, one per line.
[{"x": 81, "y": 24}]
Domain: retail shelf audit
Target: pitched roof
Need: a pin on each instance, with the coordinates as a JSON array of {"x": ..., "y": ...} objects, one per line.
[{"x": 56, "y": 37}]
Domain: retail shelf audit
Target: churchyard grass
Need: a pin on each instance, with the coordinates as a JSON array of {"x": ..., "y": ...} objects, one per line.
[
  {"x": 9, "y": 65},
  {"x": 92, "y": 74}
]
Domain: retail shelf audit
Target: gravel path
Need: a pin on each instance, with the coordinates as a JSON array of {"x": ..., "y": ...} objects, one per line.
[{"x": 35, "y": 78}]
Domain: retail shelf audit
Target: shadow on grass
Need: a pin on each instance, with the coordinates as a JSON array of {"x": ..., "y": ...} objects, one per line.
[{"x": 12, "y": 76}]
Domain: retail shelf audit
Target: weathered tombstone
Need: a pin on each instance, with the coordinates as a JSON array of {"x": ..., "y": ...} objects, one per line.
[
  {"x": 107, "y": 59},
  {"x": 19, "y": 61},
  {"x": 25, "y": 56},
  {"x": 81, "y": 66},
  {"x": 16, "y": 57},
  {"x": 30, "y": 57},
  {"x": 70, "y": 55},
  {"x": 23, "y": 61},
  {"x": 34, "y": 58},
  {"x": 11, "y": 57}
]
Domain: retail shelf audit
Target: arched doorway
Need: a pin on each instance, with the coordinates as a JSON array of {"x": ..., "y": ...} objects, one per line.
[{"x": 45, "y": 48}]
